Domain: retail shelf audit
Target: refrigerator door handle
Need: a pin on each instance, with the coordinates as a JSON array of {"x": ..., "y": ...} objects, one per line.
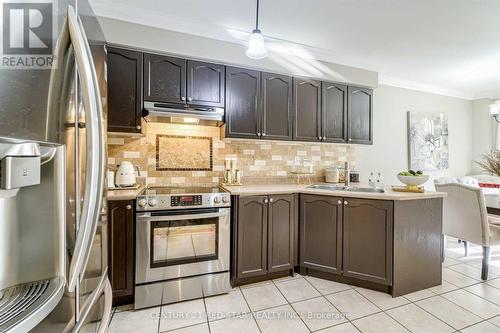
[
  {"x": 100, "y": 138},
  {"x": 104, "y": 287},
  {"x": 93, "y": 191},
  {"x": 108, "y": 307}
]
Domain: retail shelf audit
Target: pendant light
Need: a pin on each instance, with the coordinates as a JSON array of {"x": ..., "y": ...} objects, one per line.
[{"x": 256, "y": 48}]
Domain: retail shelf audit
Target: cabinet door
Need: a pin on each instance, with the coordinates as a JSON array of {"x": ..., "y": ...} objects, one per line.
[
  {"x": 307, "y": 110},
  {"x": 281, "y": 235},
  {"x": 121, "y": 250},
  {"x": 334, "y": 112},
  {"x": 360, "y": 115},
  {"x": 252, "y": 236},
  {"x": 276, "y": 106},
  {"x": 124, "y": 90},
  {"x": 164, "y": 79},
  {"x": 242, "y": 103},
  {"x": 205, "y": 84},
  {"x": 368, "y": 226},
  {"x": 321, "y": 233}
]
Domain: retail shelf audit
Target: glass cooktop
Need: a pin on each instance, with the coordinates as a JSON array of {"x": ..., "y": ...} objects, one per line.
[{"x": 182, "y": 190}]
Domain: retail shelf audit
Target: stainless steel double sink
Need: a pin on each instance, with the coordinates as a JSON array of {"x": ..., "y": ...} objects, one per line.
[{"x": 346, "y": 188}]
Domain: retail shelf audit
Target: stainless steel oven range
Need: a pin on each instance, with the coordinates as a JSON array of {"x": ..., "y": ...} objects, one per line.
[{"x": 182, "y": 244}]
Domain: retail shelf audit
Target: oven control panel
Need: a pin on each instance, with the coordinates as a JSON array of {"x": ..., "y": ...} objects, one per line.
[
  {"x": 186, "y": 200},
  {"x": 182, "y": 201}
]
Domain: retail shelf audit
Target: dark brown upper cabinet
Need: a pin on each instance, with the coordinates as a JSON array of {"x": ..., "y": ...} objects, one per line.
[
  {"x": 205, "y": 84},
  {"x": 258, "y": 105},
  {"x": 121, "y": 251},
  {"x": 307, "y": 110},
  {"x": 276, "y": 107},
  {"x": 252, "y": 236},
  {"x": 334, "y": 112},
  {"x": 124, "y": 70},
  {"x": 321, "y": 233},
  {"x": 242, "y": 103},
  {"x": 368, "y": 240},
  {"x": 280, "y": 233},
  {"x": 360, "y": 115},
  {"x": 164, "y": 79}
]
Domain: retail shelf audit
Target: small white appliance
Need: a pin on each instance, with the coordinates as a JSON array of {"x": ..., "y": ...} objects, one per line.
[{"x": 125, "y": 176}]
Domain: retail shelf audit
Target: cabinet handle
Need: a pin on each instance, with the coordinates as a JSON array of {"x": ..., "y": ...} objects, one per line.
[
  {"x": 258, "y": 134},
  {"x": 183, "y": 98},
  {"x": 319, "y": 137},
  {"x": 138, "y": 127},
  {"x": 339, "y": 202},
  {"x": 271, "y": 200},
  {"x": 346, "y": 203},
  {"x": 266, "y": 201},
  {"x": 129, "y": 207},
  {"x": 350, "y": 139},
  {"x": 190, "y": 99},
  {"x": 263, "y": 134},
  {"x": 324, "y": 138}
]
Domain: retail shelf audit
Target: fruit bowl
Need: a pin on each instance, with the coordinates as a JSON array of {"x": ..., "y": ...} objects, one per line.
[{"x": 413, "y": 181}]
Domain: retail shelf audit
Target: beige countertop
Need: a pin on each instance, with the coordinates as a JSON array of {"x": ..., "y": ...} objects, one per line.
[
  {"x": 247, "y": 190},
  {"x": 124, "y": 194}
]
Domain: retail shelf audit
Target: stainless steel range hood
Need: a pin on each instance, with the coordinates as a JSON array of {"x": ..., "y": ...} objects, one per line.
[{"x": 155, "y": 111}]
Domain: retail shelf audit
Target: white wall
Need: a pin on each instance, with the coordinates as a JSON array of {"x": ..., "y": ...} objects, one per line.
[
  {"x": 160, "y": 40},
  {"x": 389, "y": 153},
  {"x": 483, "y": 131}
]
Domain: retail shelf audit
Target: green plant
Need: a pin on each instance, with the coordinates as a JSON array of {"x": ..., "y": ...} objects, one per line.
[{"x": 491, "y": 162}]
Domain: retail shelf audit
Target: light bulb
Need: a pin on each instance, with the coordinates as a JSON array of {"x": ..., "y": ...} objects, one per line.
[
  {"x": 495, "y": 108},
  {"x": 256, "y": 48}
]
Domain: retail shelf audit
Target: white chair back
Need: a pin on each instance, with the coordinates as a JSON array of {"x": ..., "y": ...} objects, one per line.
[
  {"x": 464, "y": 213},
  {"x": 446, "y": 180},
  {"x": 471, "y": 181}
]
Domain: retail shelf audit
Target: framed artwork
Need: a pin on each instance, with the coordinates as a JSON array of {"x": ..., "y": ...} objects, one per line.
[{"x": 428, "y": 141}]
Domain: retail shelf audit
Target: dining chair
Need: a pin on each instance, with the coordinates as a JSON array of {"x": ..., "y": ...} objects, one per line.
[{"x": 465, "y": 217}]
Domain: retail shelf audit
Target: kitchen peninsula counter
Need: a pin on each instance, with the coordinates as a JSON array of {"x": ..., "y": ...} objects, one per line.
[
  {"x": 269, "y": 189},
  {"x": 389, "y": 241}
]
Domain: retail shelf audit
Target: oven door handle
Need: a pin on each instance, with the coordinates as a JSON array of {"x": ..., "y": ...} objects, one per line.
[{"x": 148, "y": 217}]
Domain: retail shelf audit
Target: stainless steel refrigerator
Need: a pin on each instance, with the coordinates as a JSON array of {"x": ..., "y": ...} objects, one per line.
[{"x": 53, "y": 228}]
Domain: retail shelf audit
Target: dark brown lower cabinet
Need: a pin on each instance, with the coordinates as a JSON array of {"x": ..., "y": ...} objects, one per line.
[
  {"x": 121, "y": 250},
  {"x": 321, "y": 233},
  {"x": 385, "y": 245},
  {"x": 252, "y": 237},
  {"x": 348, "y": 237},
  {"x": 264, "y": 236},
  {"x": 280, "y": 233},
  {"x": 368, "y": 240}
]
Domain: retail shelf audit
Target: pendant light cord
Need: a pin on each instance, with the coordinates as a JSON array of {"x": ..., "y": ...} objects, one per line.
[{"x": 257, "y": 17}]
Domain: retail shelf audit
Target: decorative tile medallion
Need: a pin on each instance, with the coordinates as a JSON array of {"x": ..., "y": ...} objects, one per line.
[{"x": 184, "y": 153}]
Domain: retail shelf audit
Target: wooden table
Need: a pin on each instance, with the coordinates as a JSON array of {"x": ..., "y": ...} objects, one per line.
[{"x": 492, "y": 203}]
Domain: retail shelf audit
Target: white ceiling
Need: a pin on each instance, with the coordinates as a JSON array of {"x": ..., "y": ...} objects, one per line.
[{"x": 450, "y": 47}]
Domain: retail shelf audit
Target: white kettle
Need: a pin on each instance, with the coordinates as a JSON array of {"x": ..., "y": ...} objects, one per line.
[{"x": 125, "y": 176}]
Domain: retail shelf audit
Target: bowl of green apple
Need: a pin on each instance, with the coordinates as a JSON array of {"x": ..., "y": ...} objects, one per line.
[{"x": 412, "y": 178}]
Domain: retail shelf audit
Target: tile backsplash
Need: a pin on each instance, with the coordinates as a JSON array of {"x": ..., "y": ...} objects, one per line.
[{"x": 258, "y": 160}]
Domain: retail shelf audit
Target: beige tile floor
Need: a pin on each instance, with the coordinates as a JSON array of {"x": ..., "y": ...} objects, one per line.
[{"x": 306, "y": 304}]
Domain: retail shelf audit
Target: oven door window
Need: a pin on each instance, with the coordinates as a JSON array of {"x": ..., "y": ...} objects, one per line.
[{"x": 184, "y": 241}]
